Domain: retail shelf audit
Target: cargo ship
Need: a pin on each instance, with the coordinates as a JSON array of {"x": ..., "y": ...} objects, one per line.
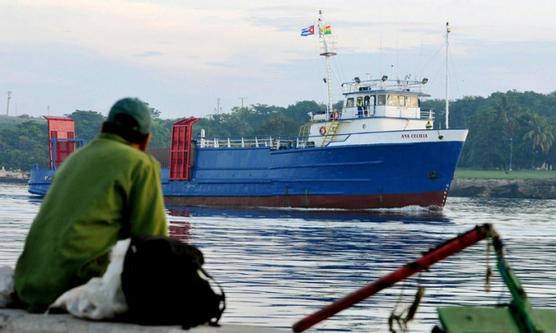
[{"x": 379, "y": 151}]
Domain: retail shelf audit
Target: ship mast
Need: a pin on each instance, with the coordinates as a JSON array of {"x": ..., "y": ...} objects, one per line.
[
  {"x": 447, "y": 108},
  {"x": 326, "y": 53}
]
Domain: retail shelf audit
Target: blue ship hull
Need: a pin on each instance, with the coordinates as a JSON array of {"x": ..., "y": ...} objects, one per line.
[
  {"x": 39, "y": 180},
  {"x": 356, "y": 176}
]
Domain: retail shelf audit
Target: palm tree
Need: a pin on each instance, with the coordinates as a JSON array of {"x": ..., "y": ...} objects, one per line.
[
  {"x": 541, "y": 135},
  {"x": 506, "y": 112}
]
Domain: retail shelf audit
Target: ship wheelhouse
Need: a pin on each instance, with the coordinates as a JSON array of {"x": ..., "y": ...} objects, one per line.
[
  {"x": 372, "y": 107},
  {"x": 383, "y": 98},
  {"x": 381, "y": 103}
]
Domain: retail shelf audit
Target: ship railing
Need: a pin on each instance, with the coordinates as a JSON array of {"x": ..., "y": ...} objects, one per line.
[
  {"x": 279, "y": 143},
  {"x": 383, "y": 83},
  {"x": 312, "y": 141},
  {"x": 427, "y": 114},
  {"x": 266, "y": 142}
]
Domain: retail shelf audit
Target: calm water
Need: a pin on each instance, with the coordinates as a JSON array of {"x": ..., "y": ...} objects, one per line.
[{"x": 277, "y": 266}]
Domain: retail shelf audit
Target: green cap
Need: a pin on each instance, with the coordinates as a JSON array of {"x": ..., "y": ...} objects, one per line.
[{"x": 132, "y": 114}]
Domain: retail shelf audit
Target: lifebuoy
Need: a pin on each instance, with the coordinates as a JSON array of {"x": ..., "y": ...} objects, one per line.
[
  {"x": 322, "y": 130},
  {"x": 335, "y": 115}
]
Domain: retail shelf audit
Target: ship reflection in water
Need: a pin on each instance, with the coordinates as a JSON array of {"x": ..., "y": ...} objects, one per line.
[{"x": 279, "y": 265}]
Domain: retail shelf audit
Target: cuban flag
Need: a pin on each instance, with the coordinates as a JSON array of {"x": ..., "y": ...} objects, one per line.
[{"x": 310, "y": 30}]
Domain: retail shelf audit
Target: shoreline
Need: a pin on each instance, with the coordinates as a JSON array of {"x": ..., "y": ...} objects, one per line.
[
  {"x": 503, "y": 188},
  {"x": 13, "y": 176},
  {"x": 460, "y": 187},
  {"x": 14, "y": 180}
]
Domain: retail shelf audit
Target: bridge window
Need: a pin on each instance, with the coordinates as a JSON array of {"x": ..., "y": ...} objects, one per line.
[
  {"x": 349, "y": 103},
  {"x": 412, "y": 101},
  {"x": 380, "y": 99},
  {"x": 401, "y": 100},
  {"x": 393, "y": 100}
]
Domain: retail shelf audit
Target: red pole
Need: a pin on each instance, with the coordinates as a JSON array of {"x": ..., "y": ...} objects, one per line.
[{"x": 434, "y": 255}]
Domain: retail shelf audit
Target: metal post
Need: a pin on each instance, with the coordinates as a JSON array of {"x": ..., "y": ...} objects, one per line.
[
  {"x": 511, "y": 153},
  {"x": 218, "y": 108},
  {"x": 521, "y": 309},
  {"x": 8, "y": 103},
  {"x": 326, "y": 53},
  {"x": 447, "y": 80}
]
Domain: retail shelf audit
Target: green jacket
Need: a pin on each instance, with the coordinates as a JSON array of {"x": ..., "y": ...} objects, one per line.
[{"x": 104, "y": 192}]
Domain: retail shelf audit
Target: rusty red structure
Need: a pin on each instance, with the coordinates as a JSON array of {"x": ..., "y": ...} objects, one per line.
[
  {"x": 181, "y": 149},
  {"x": 61, "y": 139}
]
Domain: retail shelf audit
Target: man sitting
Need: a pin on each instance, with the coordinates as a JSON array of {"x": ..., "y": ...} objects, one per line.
[{"x": 106, "y": 191}]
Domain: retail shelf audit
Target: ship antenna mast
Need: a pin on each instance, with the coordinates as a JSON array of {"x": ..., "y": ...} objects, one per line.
[
  {"x": 447, "y": 108},
  {"x": 326, "y": 53}
]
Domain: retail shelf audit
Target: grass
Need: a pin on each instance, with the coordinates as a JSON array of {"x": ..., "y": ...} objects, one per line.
[{"x": 501, "y": 174}]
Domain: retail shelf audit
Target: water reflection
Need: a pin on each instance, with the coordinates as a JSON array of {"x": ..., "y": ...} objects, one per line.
[
  {"x": 403, "y": 215},
  {"x": 285, "y": 264},
  {"x": 179, "y": 229},
  {"x": 279, "y": 265}
]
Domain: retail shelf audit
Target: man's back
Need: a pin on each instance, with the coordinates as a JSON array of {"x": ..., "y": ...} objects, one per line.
[{"x": 105, "y": 191}]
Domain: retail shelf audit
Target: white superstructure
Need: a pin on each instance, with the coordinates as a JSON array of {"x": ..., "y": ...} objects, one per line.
[{"x": 378, "y": 111}]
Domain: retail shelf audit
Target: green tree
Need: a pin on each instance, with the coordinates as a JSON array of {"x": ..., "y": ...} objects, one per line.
[
  {"x": 491, "y": 134},
  {"x": 87, "y": 123},
  {"x": 24, "y": 145},
  {"x": 278, "y": 126},
  {"x": 541, "y": 137},
  {"x": 522, "y": 124},
  {"x": 161, "y": 130},
  {"x": 258, "y": 120}
]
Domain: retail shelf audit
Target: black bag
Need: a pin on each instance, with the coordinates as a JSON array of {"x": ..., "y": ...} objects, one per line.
[{"x": 164, "y": 284}]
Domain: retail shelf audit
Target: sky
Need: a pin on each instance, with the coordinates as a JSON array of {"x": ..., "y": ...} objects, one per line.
[{"x": 182, "y": 56}]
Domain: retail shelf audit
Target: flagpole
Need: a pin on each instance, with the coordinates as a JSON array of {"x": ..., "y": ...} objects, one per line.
[
  {"x": 447, "y": 105},
  {"x": 326, "y": 53}
]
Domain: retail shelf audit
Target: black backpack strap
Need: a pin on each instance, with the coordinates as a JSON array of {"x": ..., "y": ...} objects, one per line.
[{"x": 214, "y": 321}]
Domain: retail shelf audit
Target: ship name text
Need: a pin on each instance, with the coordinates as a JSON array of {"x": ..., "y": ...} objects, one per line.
[{"x": 415, "y": 136}]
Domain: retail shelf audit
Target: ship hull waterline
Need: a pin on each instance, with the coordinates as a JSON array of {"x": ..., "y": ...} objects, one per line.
[{"x": 431, "y": 199}]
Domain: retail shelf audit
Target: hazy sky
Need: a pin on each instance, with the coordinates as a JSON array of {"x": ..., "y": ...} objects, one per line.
[{"x": 57, "y": 56}]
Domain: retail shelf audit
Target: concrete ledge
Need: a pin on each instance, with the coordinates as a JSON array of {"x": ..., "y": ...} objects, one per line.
[{"x": 19, "y": 321}]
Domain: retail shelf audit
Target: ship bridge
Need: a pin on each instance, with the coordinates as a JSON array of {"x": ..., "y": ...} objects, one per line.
[
  {"x": 370, "y": 107},
  {"x": 383, "y": 98}
]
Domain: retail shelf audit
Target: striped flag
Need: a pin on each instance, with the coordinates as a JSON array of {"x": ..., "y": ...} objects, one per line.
[
  {"x": 326, "y": 30},
  {"x": 310, "y": 30}
]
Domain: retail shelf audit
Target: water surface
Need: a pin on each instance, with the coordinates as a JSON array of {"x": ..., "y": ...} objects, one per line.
[{"x": 277, "y": 266}]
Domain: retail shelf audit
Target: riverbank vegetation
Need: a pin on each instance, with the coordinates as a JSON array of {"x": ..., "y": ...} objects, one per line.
[
  {"x": 507, "y": 131},
  {"x": 463, "y": 173}
]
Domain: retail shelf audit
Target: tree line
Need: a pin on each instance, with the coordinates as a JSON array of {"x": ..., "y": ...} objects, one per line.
[{"x": 512, "y": 130}]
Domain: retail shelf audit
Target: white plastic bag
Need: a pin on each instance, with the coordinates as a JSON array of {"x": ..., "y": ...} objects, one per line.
[
  {"x": 6, "y": 285},
  {"x": 100, "y": 298}
]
